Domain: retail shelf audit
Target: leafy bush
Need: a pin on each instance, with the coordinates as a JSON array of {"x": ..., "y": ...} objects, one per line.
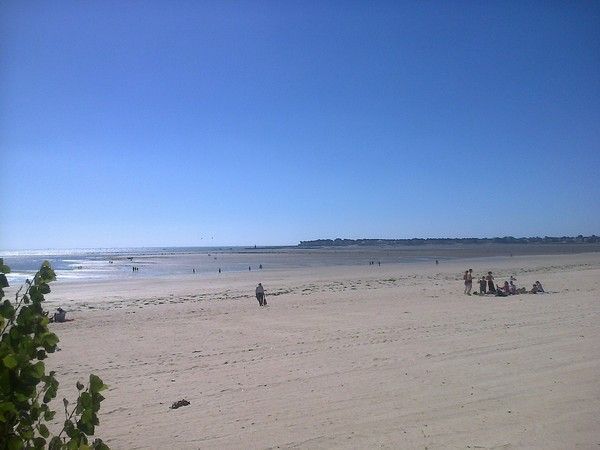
[{"x": 26, "y": 390}]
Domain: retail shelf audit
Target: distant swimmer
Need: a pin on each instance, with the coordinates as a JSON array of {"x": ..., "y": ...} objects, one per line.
[
  {"x": 219, "y": 270},
  {"x": 436, "y": 262},
  {"x": 260, "y": 266},
  {"x": 193, "y": 270},
  {"x": 249, "y": 268}
]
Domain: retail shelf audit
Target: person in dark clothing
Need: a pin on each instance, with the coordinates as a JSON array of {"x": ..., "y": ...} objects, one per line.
[
  {"x": 260, "y": 295},
  {"x": 490, "y": 282},
  {"x": 482, "y": 285}
]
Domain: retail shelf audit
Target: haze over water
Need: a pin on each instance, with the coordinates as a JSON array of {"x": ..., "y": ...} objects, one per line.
[{"x": 117, "y": 263}]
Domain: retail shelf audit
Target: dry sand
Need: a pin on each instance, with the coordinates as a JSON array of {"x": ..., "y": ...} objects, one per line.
[{"x": 344, "y": 357}]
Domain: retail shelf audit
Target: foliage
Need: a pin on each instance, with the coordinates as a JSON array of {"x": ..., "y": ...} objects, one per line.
[{"x": 26, "y": 390}]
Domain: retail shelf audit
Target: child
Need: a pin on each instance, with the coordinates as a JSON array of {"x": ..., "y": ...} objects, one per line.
[{"x": 482, "y": 285}]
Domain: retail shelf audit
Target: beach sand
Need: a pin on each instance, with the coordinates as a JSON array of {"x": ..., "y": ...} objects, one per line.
[{"x": 344, "y": 357}]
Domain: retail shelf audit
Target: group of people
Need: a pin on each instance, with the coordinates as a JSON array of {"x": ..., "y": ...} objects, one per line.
[{"x": 488, "y": 286}]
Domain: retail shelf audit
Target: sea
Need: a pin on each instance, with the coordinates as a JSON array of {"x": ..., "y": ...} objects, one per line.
[
  {"x": 118, "y": 263},
  {"x": 123, "y": 263}
]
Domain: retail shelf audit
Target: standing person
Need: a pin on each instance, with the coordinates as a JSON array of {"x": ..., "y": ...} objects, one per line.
[
  {"x": 468, "y": 281},
  {"x": 260, "y": 294},
  {"x": 490, "y": 282}
]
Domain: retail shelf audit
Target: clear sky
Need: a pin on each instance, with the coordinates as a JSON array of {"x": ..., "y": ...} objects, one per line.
[{"x": 224, "y": 123}]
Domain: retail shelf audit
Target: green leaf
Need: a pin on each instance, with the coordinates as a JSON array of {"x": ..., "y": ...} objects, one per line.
[
  {"x": 3, "y": 267},
  {"x": 46, "y": 273},
  {"x": 99, "y": 445},
  {"x": 49, "y": 339},
  {"x": 55, "y": 443},
  {"x": 85, "y": 400},
  {"x": 38, "y": 369},
  {"x": 43, "y": 429},
  {"x": 50, "y": 394},
  {"x": 7, "y": 310},
  {"x": 7, "y": 408},
  {"x": 15, "y": 443},
  {"x": 35, "y": 295},
  {"x": 87, "y": 417},
  {"x": 10, "y": 361},
  {"x": 96, "y": 384},
  {"x": 39, "y": 442}
]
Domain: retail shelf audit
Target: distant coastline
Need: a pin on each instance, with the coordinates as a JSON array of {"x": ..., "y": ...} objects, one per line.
[{"x": 338, "y": 242}]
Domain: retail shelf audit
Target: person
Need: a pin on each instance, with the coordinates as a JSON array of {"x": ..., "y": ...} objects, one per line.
[
  {"x": 468, "y": 281},
  {"x": 436, "y": 262},
  {"x": 219, "y": 270},
  {"x": 539, "y": 287},
  {"x": 260, "y": 295},
  {"x": 260, "y": 266},
  {"x": 505, "y": 288},
  {"x": 513, "y": 288},
  {"x": 482, "y": 285},
  {"x": 60, "y": 315},
  {"x": 490, "y": 282}
]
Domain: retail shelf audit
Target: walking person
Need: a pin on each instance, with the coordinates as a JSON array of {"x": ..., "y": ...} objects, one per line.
[
  {"x": 260, "y": 294},
  {"x": 468, "y": 281}
]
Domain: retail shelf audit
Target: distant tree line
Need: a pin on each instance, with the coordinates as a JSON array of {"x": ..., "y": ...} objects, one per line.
[{"x": 593, "y": 239}]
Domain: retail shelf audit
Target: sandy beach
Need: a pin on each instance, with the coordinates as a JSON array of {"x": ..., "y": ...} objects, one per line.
[{"x": 344, "y": 357}]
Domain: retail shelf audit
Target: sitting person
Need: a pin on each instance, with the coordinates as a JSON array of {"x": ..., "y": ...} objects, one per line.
[
  {"x": 502, "y": 291},
  {"x": 60, "y": 315},
  {"x": 534, "y": 289},
  {"x": 540, "y": 289},
  {"x": 482, "y": 285},
  {"x": 513, "y": 288}
]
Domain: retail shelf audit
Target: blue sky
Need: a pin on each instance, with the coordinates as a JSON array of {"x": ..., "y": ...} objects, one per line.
[{"x": 234, "y": 123}]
